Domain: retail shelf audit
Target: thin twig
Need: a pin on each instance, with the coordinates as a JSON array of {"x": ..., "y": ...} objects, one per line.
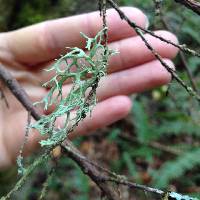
[
  {"x": 28, "y": 172},
  {"x": 190, "y": 4},
  {"x": 189, "y": 73},
  {"x": 182, "y": 47},
  {"x": 157, "y": 6},
  {"x": 153, "y": 144},
  {"x": 100, "y": 177},
  {"x": 155, "y": 53},
  {"x": 20, "y": 157},
  {"x": 3, "y": 97},
  {"x": 182, "y": 56},
  {"x": 134, "y": 185},
  {"x": 45, "y": 184},
  {"x": 19, "y": 93},
  {"x": 90, "y": 170}
]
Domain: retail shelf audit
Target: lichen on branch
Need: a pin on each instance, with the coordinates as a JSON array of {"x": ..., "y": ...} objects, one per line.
[{"x": 84, "y": 69}]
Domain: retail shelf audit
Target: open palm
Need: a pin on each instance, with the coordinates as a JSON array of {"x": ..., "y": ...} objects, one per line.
[{"x": 27, "y": 51}]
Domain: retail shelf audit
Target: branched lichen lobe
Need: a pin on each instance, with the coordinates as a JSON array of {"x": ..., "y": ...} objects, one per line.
[{"x": 84, "y": 69}]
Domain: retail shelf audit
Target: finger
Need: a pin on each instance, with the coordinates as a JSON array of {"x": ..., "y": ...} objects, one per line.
[
  {"x": 35, "y": 94},
  {"x": 15, "y": 137},
  {"x": 132, "y": 52},
  {"x": 5, "y": 160},
  {"x": 45, "y": 41},
  {"x": 133, "y": 80},
  {"x": 104, "y": 114}
]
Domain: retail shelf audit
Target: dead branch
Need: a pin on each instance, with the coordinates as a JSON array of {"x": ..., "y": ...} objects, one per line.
[
  {"x": 155, "y": 53},
  {"x": 190, "y": 4},
  {"x": 18, "y": 92},
  {"x": 23, "y": 98},
  {"x": 102, "y": 177}
]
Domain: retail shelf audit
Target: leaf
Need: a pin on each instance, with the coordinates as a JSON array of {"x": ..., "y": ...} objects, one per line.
[
  {"x": 130, "y": 164},
  {"x": 176, "y": 168},
  {"x": 141, "y": 122}
]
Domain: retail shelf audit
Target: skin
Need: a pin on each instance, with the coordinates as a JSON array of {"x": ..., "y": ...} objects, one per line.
[{"x": 25, "y": 52}]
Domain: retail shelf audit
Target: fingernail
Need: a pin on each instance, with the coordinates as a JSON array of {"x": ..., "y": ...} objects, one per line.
[{"x": 147, "y": 23}]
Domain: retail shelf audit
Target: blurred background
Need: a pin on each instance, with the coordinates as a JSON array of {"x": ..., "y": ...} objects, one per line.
[{"x": 158, "y": 144}]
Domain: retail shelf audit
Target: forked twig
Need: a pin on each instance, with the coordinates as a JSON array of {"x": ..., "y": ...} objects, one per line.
[
  {"x": 155, "y": 53},
  {"x": 190, "y": 4}
]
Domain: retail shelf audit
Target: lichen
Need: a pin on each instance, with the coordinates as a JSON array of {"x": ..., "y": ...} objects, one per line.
[{"x": 84, "y": 68}]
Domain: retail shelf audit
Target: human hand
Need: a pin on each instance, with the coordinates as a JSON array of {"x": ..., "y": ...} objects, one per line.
[{"x": 27, "y": 51}]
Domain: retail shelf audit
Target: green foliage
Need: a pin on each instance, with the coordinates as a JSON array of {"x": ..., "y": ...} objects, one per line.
[
  {"x": 174, "y": 124},
  {"x": 73, "y": 107},
  {"x": 178, "y": 127},
  {"x": 176, "y": 168},
  {"x": 141, "y": 122},
  {"x": 169, "y": 121},
  {"x": 129, "y": 163},
  {"x": 73, "y": 184}
]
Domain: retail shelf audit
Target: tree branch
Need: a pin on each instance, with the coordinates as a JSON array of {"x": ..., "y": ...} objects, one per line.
[
  {"x": 28, "y": 172},
  {"x": 101, "y": 176},
  {"x": 18, "y": 91},
  {"x": 182, "y": 57},
  {"x": 139, "y": 30},
  {"x": 92, "y": 171},
  {"x": 190, "y": 4}
]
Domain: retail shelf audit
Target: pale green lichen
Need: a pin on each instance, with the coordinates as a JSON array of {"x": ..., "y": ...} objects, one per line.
[
  {"x": 177, "y": 196},
  {"x": 84, "y": 69}
]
